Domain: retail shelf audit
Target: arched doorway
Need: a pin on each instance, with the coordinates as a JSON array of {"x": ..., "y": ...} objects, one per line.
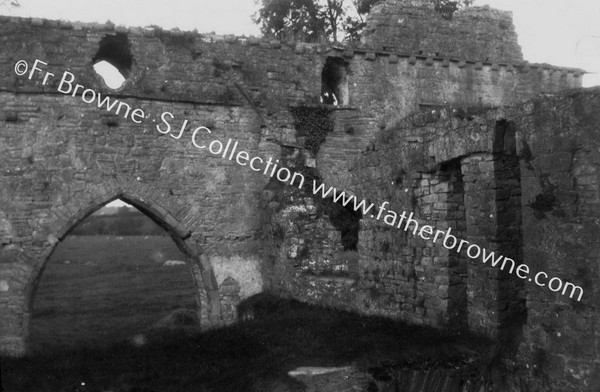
[
  {"x": 116, "y": 276},
  {"x": 178, "y": 238}
]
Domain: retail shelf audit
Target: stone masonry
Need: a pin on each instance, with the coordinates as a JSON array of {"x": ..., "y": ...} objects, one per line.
[{"x": 440, "y": 118}]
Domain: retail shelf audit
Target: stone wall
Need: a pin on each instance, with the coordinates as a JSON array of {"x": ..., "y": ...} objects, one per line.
[
  {"x": 62, "y": 158},
  {"x": 559, "y": 150},
  {"x": 522, "y": 183},
  {"x": 450, "y": 169},
  {"x": 442, "y": 168},
  {"x": 476, "y": 33}
]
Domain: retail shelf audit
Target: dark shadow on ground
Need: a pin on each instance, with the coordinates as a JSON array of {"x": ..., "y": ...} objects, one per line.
[{"x": 254, "y": 355}]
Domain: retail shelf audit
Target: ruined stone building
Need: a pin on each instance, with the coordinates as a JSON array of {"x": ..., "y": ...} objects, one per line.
[{"x": 441, "y": 118}]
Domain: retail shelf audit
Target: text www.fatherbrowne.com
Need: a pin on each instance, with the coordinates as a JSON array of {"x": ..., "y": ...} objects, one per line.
[
  {"x": 450, "y": 242},
  {"x": 270, "y": 168}
]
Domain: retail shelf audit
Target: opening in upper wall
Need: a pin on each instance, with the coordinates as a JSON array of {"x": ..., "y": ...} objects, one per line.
[
  {"x": 334, "y": 82},
  {"x": 113, "y": 61}
]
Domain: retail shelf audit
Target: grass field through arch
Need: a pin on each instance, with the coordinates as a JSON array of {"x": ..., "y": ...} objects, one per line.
[{"x": 98, "y": 290}]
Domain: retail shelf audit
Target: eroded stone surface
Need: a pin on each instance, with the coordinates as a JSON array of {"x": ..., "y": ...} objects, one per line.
[{"x": 416, "y": 132}]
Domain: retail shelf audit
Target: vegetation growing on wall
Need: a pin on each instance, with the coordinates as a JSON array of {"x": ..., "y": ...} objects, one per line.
[{"x": 313, "y": 123}]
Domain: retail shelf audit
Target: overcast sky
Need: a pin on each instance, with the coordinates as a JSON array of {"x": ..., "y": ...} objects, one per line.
[{"x": 558, "y": 32}]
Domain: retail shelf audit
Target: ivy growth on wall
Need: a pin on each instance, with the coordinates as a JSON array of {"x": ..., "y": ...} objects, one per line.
[{"x": 313, "y": 123}]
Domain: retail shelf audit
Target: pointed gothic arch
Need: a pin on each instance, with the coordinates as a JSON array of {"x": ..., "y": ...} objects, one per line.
[{"x": 153, "y": 207}]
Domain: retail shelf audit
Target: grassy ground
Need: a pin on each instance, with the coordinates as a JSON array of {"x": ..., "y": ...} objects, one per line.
[
  {"x": 101, "y": 289},
  {"x": 87, "y": 310},
  {"x": 251, "y": 356}
]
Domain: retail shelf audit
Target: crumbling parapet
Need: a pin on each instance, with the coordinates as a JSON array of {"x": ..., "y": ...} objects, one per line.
[{"x": 476, "y": 33}]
